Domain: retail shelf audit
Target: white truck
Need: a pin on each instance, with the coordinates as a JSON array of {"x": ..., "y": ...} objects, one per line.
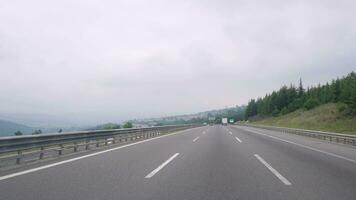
[{"x": 224, "y": 121}]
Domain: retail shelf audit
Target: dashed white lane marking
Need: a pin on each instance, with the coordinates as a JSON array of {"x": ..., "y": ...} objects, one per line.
[
  {"x": 196, "y": 139},
  {"x": 86, "y": 156},
  {"x": 304, "y": 146},
  {"x": 275, "y": 172},
  {"x": 161, "y": 166},
  {"x": 230, "y": 133},
  {"x": 238, "y": 139}
]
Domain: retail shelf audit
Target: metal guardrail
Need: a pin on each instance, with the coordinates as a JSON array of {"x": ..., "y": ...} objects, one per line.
[
  {"x": 15, "y": 150},
  {"x": 332, "y": 137}
]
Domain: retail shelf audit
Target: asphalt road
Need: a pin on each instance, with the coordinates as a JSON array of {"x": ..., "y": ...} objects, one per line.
[{"x": 211, "y": 162}]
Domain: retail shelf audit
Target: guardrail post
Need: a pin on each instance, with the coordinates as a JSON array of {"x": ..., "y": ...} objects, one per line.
[
  {"x": 87, "y": 144},
  {"x": 41, "y": 153},
  {"x": 114, "y": 140},
  {"x": 60, "y": 150},
  {"x": 19, "y": 155},
  {"x": 75, "y": 147}
]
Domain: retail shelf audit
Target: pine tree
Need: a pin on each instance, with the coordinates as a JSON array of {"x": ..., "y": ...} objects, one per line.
[
  {"x": 352, "y": 99},
  {"x": 300, "y": 89},
  {"x": 336, "y": 90}
]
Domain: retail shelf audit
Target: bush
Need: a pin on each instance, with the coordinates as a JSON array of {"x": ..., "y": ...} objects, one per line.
[
  {"x": 110, "y": 126},
  {"x": 341, "y": 107},
  {"x": 284, "y": 111},
  {"x": 275, "y": 112},
  {"x": 128, "y": 125},
  {"x": 295, "y": 105},
  {"x": 18, "y": 133},
  {"x": 311, "y": 103},
  {"x": 37, "y": 132},
  {"x": 344, "y": 109}
]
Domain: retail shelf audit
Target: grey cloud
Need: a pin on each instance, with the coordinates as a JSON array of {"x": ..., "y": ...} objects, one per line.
[{"x": 116, "y": 60}]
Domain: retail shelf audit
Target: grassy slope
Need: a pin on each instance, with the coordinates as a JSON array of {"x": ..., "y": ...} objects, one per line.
[{"x": 323, "y": 118}]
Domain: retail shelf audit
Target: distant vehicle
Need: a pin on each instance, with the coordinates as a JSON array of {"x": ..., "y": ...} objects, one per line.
[
  {"x": 231, "y": 121},
  {"x": 224, "y": 121}
]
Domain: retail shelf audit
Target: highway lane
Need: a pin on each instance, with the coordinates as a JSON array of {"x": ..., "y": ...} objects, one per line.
[
  {"x": 219, "y": 167},
  {"x": 212, "y": 162},
  {"x": 314, "y": 174},
  {"x": 110, "y": 175}
]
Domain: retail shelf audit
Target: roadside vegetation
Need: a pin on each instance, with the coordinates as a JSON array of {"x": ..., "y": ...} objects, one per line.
[
  {"x": 128, "y": 125},
  {"x": 107, "y": 126},
  {"x": 329, "y": 107},
  {"x": 326, "y": 117},
  {"x": 111, "y": 126}
]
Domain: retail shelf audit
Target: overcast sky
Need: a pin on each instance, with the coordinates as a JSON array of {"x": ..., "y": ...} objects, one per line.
[{"x": 112, "y": 60}]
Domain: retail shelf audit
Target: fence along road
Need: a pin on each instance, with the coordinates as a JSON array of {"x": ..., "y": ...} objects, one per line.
[{"x": 16, "y": 150}]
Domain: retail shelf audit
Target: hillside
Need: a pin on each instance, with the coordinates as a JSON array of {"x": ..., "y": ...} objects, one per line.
[
  {"x": 289, "y": 99},
  {"x": 8, "y": 128},
  {"x": 324, "y": 118}
]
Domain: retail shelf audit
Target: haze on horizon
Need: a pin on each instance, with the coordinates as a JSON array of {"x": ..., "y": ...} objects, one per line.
[{"x": 97, "y": 61}]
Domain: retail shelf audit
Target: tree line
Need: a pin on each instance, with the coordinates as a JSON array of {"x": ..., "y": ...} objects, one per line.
[{"x": 289, "y": 99}]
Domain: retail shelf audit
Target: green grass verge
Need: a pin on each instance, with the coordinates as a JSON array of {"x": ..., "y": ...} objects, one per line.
[{"x": 323, "y": 118}]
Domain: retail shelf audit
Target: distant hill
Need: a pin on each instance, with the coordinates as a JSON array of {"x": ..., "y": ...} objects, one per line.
[
  {"x": 8, "y": 128},
  {"x": 236, "y": 113}
]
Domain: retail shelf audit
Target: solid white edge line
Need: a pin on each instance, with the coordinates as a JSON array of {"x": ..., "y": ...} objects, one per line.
[
  {"x": 82, "y": 157},
  {"x": 196, "y": 139},
  {"x": 275, "y": 172},
  {"x": 304, "y": 146},
  {"x": 161, "y": 166},
  {"x": 238, "y": 139}
]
